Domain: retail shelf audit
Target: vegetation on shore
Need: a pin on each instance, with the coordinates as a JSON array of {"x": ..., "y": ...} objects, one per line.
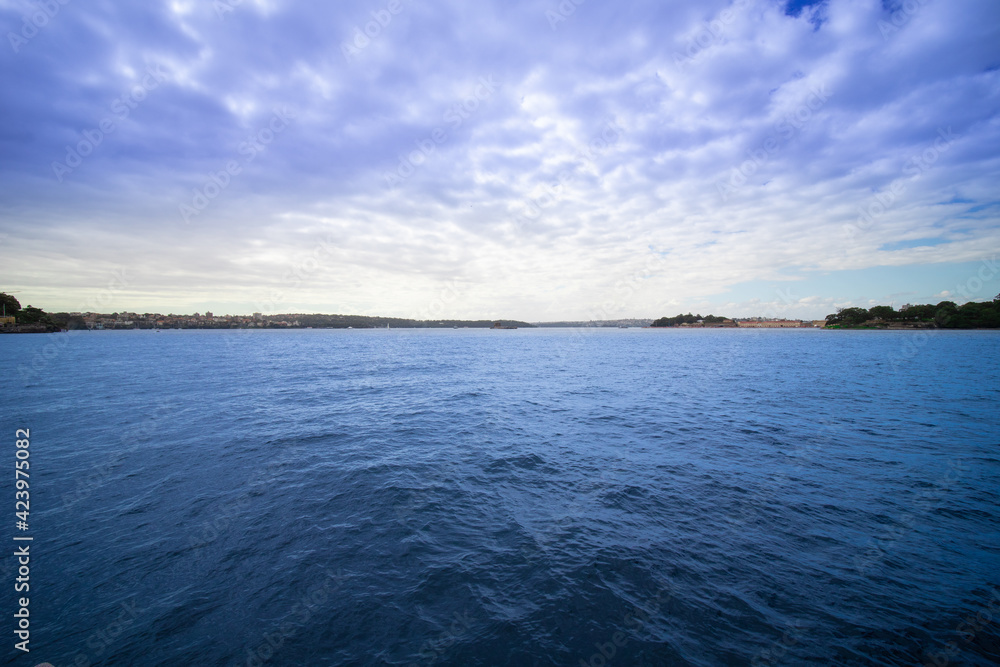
[
  {"x": 29, "y": 319},
  {"x": 35, "y": 320},
  {"x": 945, "y": 315},
  {"x": 677, "y": 320}
]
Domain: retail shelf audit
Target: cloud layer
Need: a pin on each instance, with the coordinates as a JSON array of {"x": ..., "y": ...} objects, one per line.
[{"x": 537, "y": 160}]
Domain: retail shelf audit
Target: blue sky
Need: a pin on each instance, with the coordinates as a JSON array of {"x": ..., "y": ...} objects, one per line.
[{"x": 532, "y": 160}]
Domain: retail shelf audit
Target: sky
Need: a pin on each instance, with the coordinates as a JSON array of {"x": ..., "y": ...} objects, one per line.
[{"x": 532, "y": 160}]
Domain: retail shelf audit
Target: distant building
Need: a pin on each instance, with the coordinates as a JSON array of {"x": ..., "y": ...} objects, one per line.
[
  {"x": 770, "y": 324},
  {"x": 8, "y": 321}
]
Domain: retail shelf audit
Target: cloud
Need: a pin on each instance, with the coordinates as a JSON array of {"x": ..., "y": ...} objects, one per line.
[{"x": 700, "y": 145}]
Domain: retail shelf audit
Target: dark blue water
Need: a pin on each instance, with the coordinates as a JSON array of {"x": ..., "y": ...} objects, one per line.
[{"x": 528, "y": 497}]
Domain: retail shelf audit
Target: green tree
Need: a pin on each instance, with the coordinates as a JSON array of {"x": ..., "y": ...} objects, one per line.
[
  {"x": 922, "y": 313},
  {"x": 10, "y": 304},
  {"x": 989, "y": 319},
  {"x": 848, "y": 317},
  {"x": 31, "y": 315},
  {"x": 685, "y": 319},
  {"x": 945, "y": 313},
  {"x": 67, "y": 321},
  {"x": 882, "y": 313}
]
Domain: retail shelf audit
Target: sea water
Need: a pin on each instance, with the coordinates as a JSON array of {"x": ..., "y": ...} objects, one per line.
[{"x": 516, "y": 497}]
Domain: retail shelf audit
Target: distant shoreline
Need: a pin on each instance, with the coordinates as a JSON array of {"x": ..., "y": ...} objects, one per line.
[
  {"x": 42, "y": 330},
  {"x": 944, "y": 315}
]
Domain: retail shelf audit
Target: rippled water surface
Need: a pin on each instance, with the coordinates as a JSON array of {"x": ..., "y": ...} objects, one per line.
[{"x": 528, "y": 497}]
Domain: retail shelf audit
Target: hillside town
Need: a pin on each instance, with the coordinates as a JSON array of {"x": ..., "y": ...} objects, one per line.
[
  {"x": 755, "y": 323},
  {"x": 207, "y": 320}
]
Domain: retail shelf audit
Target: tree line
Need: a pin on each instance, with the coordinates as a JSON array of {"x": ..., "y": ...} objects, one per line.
[
  {"x": 944, "y": 315},
  {"x": 29, "y": 315},
  {"x": 687, "y": 319}
]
